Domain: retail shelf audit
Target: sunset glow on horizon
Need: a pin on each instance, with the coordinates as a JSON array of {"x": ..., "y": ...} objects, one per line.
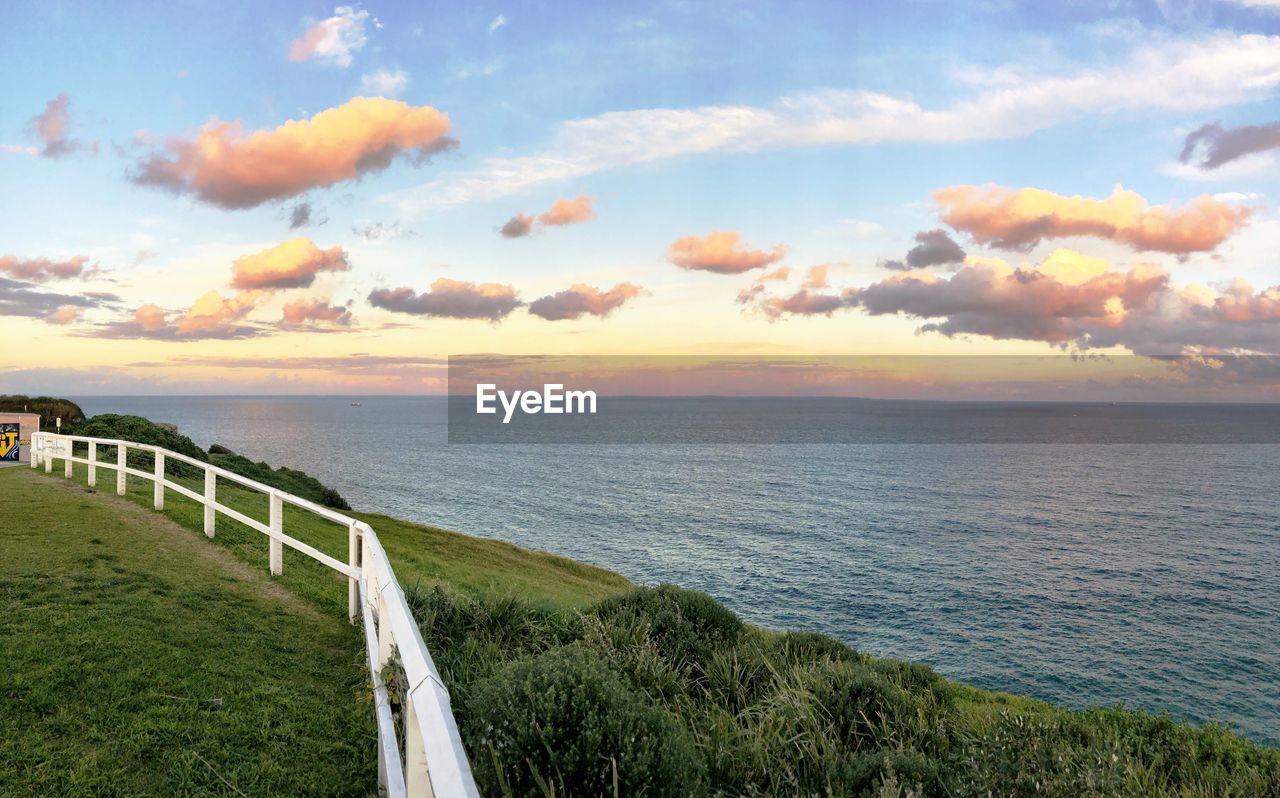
[{"x": 309, "y": 199}]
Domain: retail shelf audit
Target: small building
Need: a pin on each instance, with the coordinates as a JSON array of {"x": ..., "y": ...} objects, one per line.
[{"x": 16, "y": 430}]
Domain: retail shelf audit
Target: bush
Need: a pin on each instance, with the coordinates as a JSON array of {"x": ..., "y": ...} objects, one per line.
[
  {"x": 137, "y": 429},
  {"x": 685, "y": 625},
  {"x": 290, "y": 480},
  {"x": 49, "y": 408},
  {"x": 563, "y": 723},
  {"x": 800, "y": 647},
  {"x": 870, "y": 772}
]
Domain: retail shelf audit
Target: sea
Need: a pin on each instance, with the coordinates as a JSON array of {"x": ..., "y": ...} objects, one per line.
[{"x": 1085, "y": 571}]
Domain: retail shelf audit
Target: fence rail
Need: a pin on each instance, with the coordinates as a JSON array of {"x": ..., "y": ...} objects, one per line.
[{"x": 431, "y": 761}]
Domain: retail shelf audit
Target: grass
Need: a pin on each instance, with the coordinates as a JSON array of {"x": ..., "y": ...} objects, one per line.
[
  {"x": 139, "y": 660},
  {"x": 569, "y": 681}
]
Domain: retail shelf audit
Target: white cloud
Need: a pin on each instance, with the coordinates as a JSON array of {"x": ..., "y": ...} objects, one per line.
[
  {"x": 1258, "y": 165},
  {"x": 385, "y": 82},
  {"x": 498, "y": 22},
  {"x": 862, "y": 228},
  {"x": 18, "y": 149},
  {"x": 335, "y": 39},
  {"x": 1174, "y": 75}
]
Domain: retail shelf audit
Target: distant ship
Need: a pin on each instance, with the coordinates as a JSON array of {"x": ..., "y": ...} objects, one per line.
[{"x": 355, "y": 404}]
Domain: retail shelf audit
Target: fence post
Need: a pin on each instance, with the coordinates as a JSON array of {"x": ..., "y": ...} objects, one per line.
[
  {"x": 277, "y": 525},
  {"x": 384, "y": 634},
  {"x": 46, "y": 454},
  {"x": 158, "y": 493},
  {"x": 353, "y": 584},
  {"x": 210, "y": 496},
  {"x": 36, "y": 443},
  {"x": 417, "y": 780},
  {"x": 121, "y": 459},
  {"x": 66, "y": 461},
  {"x": 93, "y": 458}
]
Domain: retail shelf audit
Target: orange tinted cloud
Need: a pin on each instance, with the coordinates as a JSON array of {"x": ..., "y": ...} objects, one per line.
[
  {"x": 583, "y": 300},
  {"x": 39, "y": 270},
  {"x": 1020, "y": 218},
  {"x": 301, "y": 311},
  {"x": 517, "y": 226},
  {"x": 721, "y": 252},
  {"x": 150, "y": 318},
  {"x": 227, "y": 167},
  {"x": 212, "y": 312},
  {"x": 568, "y": 211},
  {"x": 64, "y": 315},
  {"x": 292, "y": 264}
]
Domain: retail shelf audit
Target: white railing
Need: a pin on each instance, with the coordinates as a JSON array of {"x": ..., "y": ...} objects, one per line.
[{"x": 434, "y": 763}]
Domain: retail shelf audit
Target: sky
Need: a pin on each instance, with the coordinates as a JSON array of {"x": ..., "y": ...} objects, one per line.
[{"x": 307, "y": 198}]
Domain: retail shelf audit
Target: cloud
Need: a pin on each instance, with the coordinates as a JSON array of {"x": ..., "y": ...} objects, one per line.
[
  {"x": 934, "y": 248},
  {"x": 51, "y": 126},
  {"x": 567, "y": 211},
  {"x": 18, "y": 149},
  {"x": 453, "y": 299},
  {"x": 64, "y": 315},
  {"x": 583, "y": 300},
  {"x": 212, "y": 316},
  {"x": 385, "y": 82},
  {"x": 721, "y": 252},
  {"x": 292, "y": 264},
  {"x": 562, "y": 212},
  {"x": 301, "y": 311},
  {"x": 1210, "y": 146},
  {"x": 1177, "y": 75},
  {"x": 224, "y": 166},
  {"x": 498, "y": 22},
  {"x": 21, "y": 299},
  {"x": 802, "y": 303},
  {"x": 378, "y": 231},
  {"x": 42, "y": 270},
  {"x": 333, "y": 40},
  {"x": 517, "y": 226},
  {"x": 817, "y": 277},
  {"x": 1069, "y": 300},
  {"x": 300, "y": 215},
  {"x": 1020, "y": 218}
]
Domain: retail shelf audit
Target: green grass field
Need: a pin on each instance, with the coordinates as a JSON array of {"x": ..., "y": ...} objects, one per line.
[{"x": 567, "y": 680}]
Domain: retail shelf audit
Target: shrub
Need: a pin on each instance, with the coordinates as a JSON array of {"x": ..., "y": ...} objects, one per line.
[
  {"x": 563, "y": 723},
  {"x": 870, "y": 772},
  {"x": 797, "y": 647},
  {"x": 685, "y": 625},
  {"x": 290, "y": 480},
  {"x": 137, "y": 429},
  {"x": 49, "y": 408}
]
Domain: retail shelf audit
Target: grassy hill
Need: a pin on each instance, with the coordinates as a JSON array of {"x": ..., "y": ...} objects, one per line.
[{"x": 567, "y": 680}]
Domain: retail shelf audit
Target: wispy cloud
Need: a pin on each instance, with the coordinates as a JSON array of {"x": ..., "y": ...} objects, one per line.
[
  {"x": 385, "y": 82},
  {"x": 498, "y": 22},
  {"x": 1172, "y": 75}
]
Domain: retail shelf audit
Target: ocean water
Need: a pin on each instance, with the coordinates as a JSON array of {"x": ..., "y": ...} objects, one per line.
[{"x": 1083, "y": 574}]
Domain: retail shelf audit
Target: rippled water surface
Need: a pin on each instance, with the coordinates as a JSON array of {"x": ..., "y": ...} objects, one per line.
[{"x": 1082, "y": 574}]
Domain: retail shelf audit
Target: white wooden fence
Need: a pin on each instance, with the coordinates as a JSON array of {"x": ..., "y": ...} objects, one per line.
[{"x": 433, "y": 763}]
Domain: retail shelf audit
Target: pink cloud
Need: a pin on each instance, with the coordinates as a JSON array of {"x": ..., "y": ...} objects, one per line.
[
  {"x": 517, "y": 226},
  {"x": 52, "y": 126},
  {"x": 301, "y": 311},
  {"x": 64, "y": 315},
  {"x": 583, "y": 300},
  {"x": 225, "y": 166},
  {"x": 454, "y": 299},
  {"x": 334, "y": 39},
  {"x": 567, "y": 211},
  {"x": 1020, "y": 218},
  {"x": 722, "y": 253},
  {"x": 40, "y": 270}
]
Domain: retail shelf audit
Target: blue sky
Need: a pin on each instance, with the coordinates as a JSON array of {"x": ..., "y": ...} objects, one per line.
[{"x": 675, "y": 119}]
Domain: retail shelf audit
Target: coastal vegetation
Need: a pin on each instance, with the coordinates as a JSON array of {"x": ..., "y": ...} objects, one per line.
[
  {"x": 568, "y": 680},
  {"x": 49, "y": 408}
]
